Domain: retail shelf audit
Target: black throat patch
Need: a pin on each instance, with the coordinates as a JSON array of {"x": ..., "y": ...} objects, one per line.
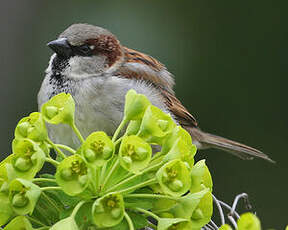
[{"x": 57, "y": 80}]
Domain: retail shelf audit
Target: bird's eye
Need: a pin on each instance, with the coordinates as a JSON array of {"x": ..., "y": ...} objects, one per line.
[{"x": 85, "y": 50}]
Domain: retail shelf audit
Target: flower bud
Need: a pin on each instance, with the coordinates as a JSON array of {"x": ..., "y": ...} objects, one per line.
[
  {"x": 27, "y": 160},
  {"x": 72, "y": 175},
  {"x": 134, "y": 154},
  {"x": 174, "y": 178},
  {"x": 135, "y": 105},
  {"x": 19, "y": 200},
  {"x": 200, "y": 177},
  {"x": 97, "y": 149},
  {"x": 108, "y": 211},
  {"x": 23, "y": 196},
  {"x": 155, "y": 125},
  {"x": 32, "y": 127},
  {"x": 59, "y": 109},
  {"x": 23, "y": 164}
]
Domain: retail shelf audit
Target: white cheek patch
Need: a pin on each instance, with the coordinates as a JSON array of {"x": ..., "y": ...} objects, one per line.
[
  {"x": 49, "y": 68},
  {"x": 84, "y": 67}
]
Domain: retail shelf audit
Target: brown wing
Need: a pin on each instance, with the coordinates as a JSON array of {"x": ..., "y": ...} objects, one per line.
[
  {"x": 144, "y": 67},
  {"x": 180, "y": 112}
]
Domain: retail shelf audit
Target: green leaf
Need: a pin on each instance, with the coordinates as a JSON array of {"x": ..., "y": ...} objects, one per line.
[
  {"x": 108, "y": 210},
  {"x": 139, "y": 203},
  {"x": 97, "y": 149},
  {"x": 6, "y": 211},
  {"x": 248, "y": 221},
  {"x": 135, "y": 105},
  {"x": 134, "y": 154},
  {"x": 23, "y": 196},
  {"x": 72, "y": 175},
  {"x": 200, "y": 177},
  {"x": 32, "y": 127},
  {"x": 27, "y": 160},
  {"x": 174, "y": 178},
  {"x": 19, "y": 223},
  {"x": 67, "y": 223},
  {"x": 155, "y": 125},
  {"x": 59, "y": 109}
]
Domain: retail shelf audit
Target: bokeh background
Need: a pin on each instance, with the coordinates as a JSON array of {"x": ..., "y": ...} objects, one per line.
[{"x": 230, "y": 63}]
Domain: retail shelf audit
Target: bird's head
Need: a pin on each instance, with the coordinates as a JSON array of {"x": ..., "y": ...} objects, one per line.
[{"x": 84, "y": 50}]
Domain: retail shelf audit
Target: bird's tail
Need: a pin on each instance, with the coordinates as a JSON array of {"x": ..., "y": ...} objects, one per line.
[{"x": 206, "y": 140}]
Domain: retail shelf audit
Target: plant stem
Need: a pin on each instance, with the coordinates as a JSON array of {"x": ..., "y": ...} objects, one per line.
[
  {"x": 133, "y": 177},
  {"x": 65, "y": 147},
  {"x": 143, "y": 184},
  {"x": 77, "y": 207},
  {"x": 50, "y": 188},
  {"x": 129, "y": 221},
  {"x": 36, "y": 221},
  {"x": 153, "y": 196},
  {"x": 147, "y": 213},
  {"x": 118, "y": 141},
  {"x": 77, "y": 132},
  {"x": 113, "y": 168},
  {"x": 43, "y": 180},
  {"x": 119, "y": 128},
  {"x": 102, "y": 174},
  {"x": 50, "y": 160},
  {"x": 56, "y": 148}
]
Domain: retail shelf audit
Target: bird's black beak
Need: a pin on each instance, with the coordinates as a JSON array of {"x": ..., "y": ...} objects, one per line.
[{"x": 61, "y": 47}]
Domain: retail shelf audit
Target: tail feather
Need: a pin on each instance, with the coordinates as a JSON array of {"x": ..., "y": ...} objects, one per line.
[{"x": 207, "y": 140}]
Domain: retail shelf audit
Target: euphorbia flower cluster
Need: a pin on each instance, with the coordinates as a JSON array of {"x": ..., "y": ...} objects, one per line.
[{"x": 108, "y": 182}]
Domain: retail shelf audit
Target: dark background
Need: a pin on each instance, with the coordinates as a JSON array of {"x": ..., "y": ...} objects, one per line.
[{"x": 230, "y": 63}]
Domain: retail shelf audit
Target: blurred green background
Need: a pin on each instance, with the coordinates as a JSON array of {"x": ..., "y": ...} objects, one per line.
[{"x": 230, "y": 63}]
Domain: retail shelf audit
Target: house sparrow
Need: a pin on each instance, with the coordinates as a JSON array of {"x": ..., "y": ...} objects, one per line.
[{"x": 90, "y": 63}]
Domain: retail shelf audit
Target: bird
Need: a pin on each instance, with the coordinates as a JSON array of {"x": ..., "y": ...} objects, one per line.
[{"x": 91, "y": 64}]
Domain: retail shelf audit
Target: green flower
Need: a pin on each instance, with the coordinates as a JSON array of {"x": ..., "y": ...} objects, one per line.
[
  {"x": 134, "y": 154},
  {"x": 23, "y": 196},
  {"x": 67, "y": 223},
  {"x": 225, "y": 227},
  {"x": 183, "y": 151},
  {"x": 108, "y": 210},
  {"x": 174, "y": 224},
  {"x": 32, "y": 127},
  {"x": 174, "y": 178},
  {"x": 203, "y": 212},
  {"x": 155, "y": 125},
  {"x": 177, "y": 132},
  {"x": 72, "y": 175},
  {"x": 19, "y": 223},
  {"x": 27, "y": 159},
  {"x": 248, "y": 221},
  {"x": 135, "y": 105},
  {"x": 97, "y": 149},
  {"x": 59, "y": 109},
  {"x": 200, "y": 177},
  {"x": 196, "y": 207},
  {"x": 133, "y": 127},
  {"x": 3, "y": 170}
]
